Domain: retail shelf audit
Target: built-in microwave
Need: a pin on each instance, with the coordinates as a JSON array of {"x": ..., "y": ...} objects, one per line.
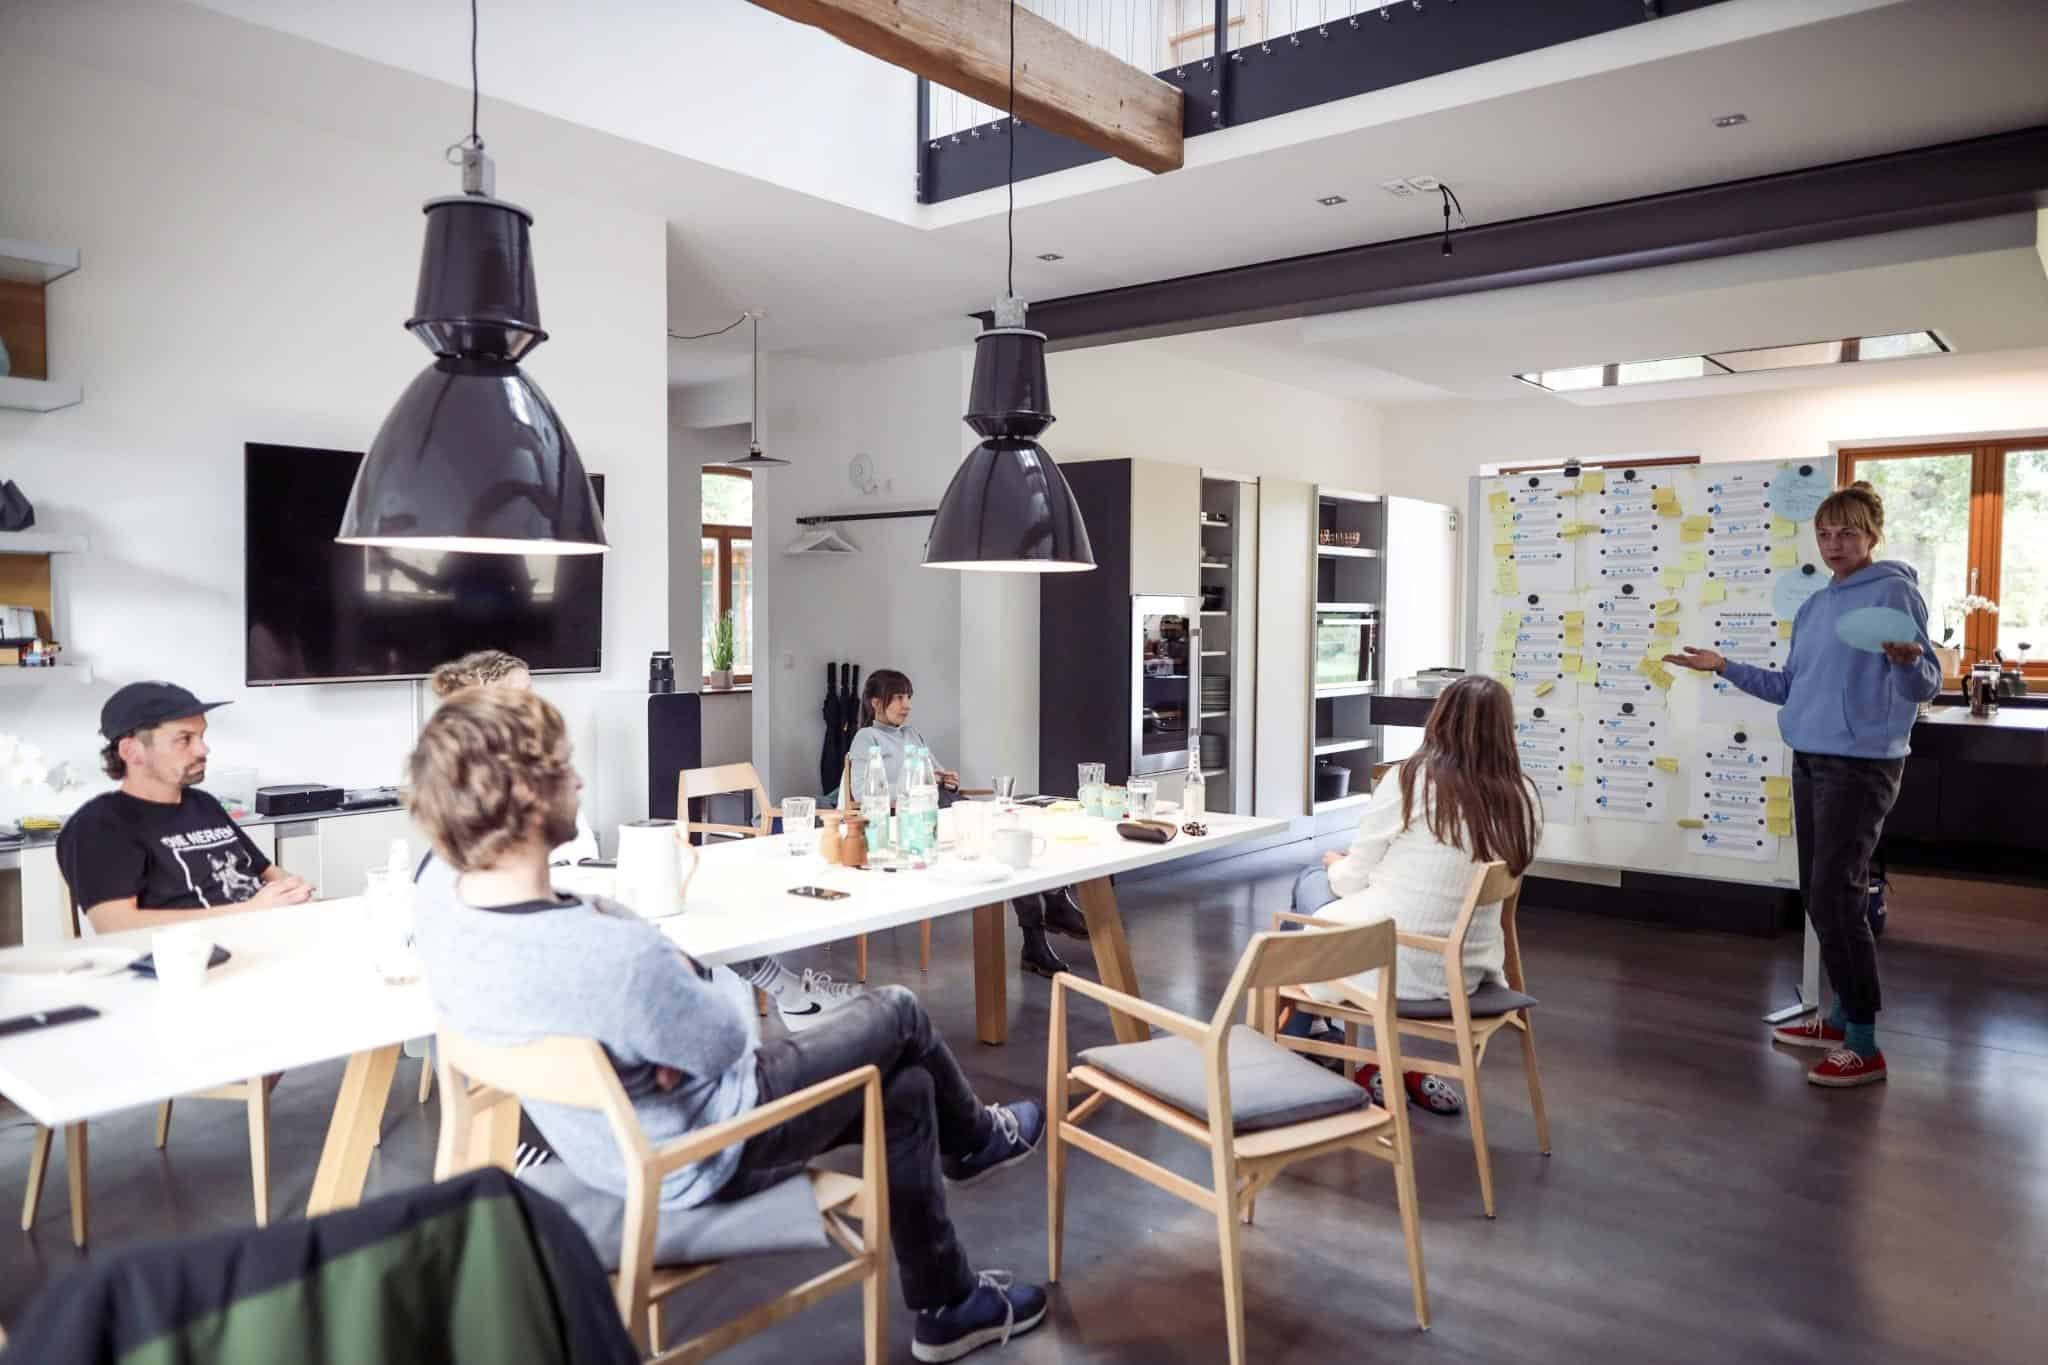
[{"x": 1166, "y": 681}]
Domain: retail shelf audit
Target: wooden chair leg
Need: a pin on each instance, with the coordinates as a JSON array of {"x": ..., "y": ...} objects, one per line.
[
  {"x": 74, "y": 1174},
  {"x": 38, "y": 1166},
  {"x": 760, "y": 1002},
  {"x": 259, "y": 1148},
  {"x": 1411, "y": 1229},
  {"x": 427, "y": 1074},
  {"x": 1475, "y": 1112},
  {"x": 860, "y": 959},
  {"x": 654, "y": 1327},
  {"x": 1535, "y": 1086},
  {"x": 163, "y": 1124},
  {"x": 1230, "y": 1239},
  {"x": 924, "y": 946}
]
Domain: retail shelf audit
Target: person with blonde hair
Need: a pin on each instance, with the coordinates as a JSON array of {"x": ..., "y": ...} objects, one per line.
[
  {"x": 1848, "y": 714},
  {"x": 511, "y": 961},
  {"x": 801, "y": 998}
]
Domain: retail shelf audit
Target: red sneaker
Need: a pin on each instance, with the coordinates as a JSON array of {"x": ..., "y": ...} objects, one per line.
[
  {"x": 1812, "y": 1031},
  {"x": 1843, "y": 1068}
]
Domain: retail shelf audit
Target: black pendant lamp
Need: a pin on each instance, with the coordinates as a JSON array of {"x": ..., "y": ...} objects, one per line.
[
  {"x": 754, "y": 458},
  {"x": 473, "y": 456},
  {"x": 1009, "y": 509}
]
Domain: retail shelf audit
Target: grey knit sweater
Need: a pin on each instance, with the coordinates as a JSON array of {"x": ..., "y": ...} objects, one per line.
[{"x": 591, "y": 969}]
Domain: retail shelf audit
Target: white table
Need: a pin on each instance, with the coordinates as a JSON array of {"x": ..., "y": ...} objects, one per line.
[
  {"x": 299, "y": 989},
  {"x": 739, "y": 906}
]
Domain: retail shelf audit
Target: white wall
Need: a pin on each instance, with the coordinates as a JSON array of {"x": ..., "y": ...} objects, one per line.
[{"x": 245, "y": 279}]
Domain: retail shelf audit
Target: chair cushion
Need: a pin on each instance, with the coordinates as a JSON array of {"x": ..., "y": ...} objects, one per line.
[
  {"x": 783, "y": 1217},
  {"x": 1490, "y": 999},
  {"x": 1270, "y": 1086}
]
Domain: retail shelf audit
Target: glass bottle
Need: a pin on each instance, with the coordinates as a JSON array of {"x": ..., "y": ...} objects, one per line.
[
  {"x": 1194, "y": 793},
  {"x": 874, "y": 802},
  {"x": 920, "y": 819}
]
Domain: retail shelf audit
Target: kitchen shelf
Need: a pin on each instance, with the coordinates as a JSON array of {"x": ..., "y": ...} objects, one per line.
[
  {"x": 45, "y": 677},
  {"x": 38, "y": 395},
  {"x": 1357, "y": 689},
  {"x": 40, "y": 543},
  {"x": 1220, "y": 523},
  {"x": 1341, "y": 803},
  {"x": 1347, "y": 606},
  {"x": 1166, "y": 677},
  {"x": 1215, "y": 653},
  {"x": 1347, "y": 552},
  {"x": 1339, "y": 744},
  {"x": 1215, "y": 613},
  {"x": 1215, "y": 563},
  {"x": 1211, "y": 715},
  {"x": 33, "y": 263}
]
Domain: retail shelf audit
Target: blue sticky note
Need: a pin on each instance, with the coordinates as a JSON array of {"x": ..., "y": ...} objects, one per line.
[
  {"x": 1870, "y": 628},
  {"x": 1796, "y": 494},
  {"x": 1791, "y": 587}
]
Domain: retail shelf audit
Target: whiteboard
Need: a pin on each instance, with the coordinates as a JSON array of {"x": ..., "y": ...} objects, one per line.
[{"x": 1576, "y": 582}]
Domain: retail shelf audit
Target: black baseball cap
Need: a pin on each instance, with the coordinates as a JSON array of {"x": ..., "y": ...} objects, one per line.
[{"x": 141, "y": 705}]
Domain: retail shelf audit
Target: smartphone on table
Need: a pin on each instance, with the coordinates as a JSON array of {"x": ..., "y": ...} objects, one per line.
[{"x": 820, "y": 893}]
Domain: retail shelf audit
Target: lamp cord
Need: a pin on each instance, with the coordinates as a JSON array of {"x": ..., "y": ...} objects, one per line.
[
  {"x": 475, "y": 86},
  {"x": 1450, "y": 197},
  {"x": 699, "y": 336},
  {"x": 1010, "y": 216}
]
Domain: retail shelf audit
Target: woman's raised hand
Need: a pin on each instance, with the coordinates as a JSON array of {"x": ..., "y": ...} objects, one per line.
[
  {"x": 1705, "y": 660},
  {"x": 1904, "y": 653}
]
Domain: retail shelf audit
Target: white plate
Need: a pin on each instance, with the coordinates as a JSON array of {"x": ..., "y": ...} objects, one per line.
[
  {"x": 67, "y": 962},
  {"x": 978, "y": 873}
]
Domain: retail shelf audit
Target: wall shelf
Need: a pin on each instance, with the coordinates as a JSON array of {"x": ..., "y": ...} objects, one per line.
[
  {"x": 40, "y": 543},
  {"x": 38, "y": 395},
  {"x": 1215, "y": 613},
  {"x": 1341, "y": 803},
  {"x": 1215, "y": 563},
  {"x": 1347, "y": 552},
  {"x": 1341, "y": 744},
  {"x": 1357, "y": 689},
  {"x": 1211, "y": 715},
  {"x": 1347, "y": 606},
  {"x": 1215, "y": 653}
]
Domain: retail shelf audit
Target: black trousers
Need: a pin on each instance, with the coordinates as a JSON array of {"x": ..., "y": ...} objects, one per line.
[
  {"x": 929, "y": 1111},
  {"x": 1838, "y": 808}
]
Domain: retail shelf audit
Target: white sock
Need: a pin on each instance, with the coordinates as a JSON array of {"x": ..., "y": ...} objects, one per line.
[{"x": 771, "y": 976}]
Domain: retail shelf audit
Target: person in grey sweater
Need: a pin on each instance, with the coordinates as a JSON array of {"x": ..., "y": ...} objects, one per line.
[{"x": 509, "y": 961}]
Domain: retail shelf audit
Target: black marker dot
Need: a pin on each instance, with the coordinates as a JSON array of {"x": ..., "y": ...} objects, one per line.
[
  {"x": 1806, "y": 471},
  {"x": 1539, "y": 713},
  {"x": 1628, "y": 475},
  {"x": 1742, "y": 737},
  {"x": 1535, "y": 482},
  {"x": 1806, "y": 568}
]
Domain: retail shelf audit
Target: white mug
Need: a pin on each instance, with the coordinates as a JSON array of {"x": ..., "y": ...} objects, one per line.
[
  {"x": 1015, "y": 847},
  {"x": 967, "y": 823},
  {"x": 649, "y": 881},
  {"x": 180, "y": 956}
]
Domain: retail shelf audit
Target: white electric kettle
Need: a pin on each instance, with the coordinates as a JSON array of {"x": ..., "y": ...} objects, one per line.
[{"x": 651, "y": 876}]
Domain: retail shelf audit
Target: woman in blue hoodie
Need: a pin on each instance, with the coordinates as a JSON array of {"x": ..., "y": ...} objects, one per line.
[{"x": 1848, "y": 715}]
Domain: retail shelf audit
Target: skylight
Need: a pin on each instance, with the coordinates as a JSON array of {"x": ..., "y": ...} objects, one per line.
[{"x": 1848, "y": 351}]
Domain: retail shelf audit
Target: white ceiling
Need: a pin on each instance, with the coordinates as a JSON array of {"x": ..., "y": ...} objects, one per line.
[{"x": 1624, "y": 114}]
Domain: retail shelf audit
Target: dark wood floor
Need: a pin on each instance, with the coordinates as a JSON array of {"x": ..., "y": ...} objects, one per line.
[{"x": 1704, "y": 1204}]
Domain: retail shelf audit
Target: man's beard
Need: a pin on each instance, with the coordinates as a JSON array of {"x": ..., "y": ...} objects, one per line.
[{"x": 193, "y": 775}]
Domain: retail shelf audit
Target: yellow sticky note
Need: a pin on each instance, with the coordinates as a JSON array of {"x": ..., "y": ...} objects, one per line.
[
  {"x": 1713, "y": 590},
  {"x": 1667, "y": 764},
  {"x": 1502, "y": 549},
  {"x": 1782, "y": 529},
  {"x": 1692, "y": 824},
  {"x": 1778, "y": 787},
  {"x": 1784, "y": 630},
  {"x": 1504, "y": 576},
  {"x": 1781, "y": 828},
  {"x": 1656, "y": 673},
  {"x": 1693, "y": 561},
  {"x": 1688, "y": 536},
  {"x": 1673, "y": 577},
  {"x": 1574, "y": 636},
  {"x": 1510, "y": 622},
  {"x": 1497, "y": 502},
  {"x": 1666, "y": 607},
  {"x": 1572, "y": 530},
  {"x": 1666, "y": 629},
  {"x": 1574, "y": 663},
  {"x": 1777, "y": 807},
  {"x": 1699, "y": 524},
  {"x": 1575, "y": 774},
  {"x": 1592, "y": 481},
  {"x": 1543, "y": 689},
  {"x": 1589, "y": 673},
  {"x": 1574, "y": 618},
  {"x": 1784, "y": 556}
]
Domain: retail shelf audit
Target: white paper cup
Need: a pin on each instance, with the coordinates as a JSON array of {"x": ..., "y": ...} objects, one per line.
[{"x": 180, "y": 955}]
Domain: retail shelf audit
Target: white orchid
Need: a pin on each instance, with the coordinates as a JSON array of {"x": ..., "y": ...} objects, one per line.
[
  {"x": 21, "y": 765},
  {"x": 1958, "y": 611}
]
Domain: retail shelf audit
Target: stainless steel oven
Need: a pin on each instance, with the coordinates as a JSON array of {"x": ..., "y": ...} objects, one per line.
[{"x": 1166, "y": 681}]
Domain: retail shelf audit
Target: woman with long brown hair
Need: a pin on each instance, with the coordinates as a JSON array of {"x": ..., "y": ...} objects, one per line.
[{"x": 1459, "y": 801}]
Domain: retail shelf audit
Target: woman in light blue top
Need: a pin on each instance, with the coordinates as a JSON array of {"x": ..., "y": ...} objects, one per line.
[{"x": 1848, "y": 715}]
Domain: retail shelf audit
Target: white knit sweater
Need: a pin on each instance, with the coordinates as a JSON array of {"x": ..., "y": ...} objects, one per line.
[{"x": 1408, "y": 876}]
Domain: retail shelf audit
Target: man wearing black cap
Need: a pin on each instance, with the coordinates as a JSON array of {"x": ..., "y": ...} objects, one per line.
[{"x": 159, "y": 844}]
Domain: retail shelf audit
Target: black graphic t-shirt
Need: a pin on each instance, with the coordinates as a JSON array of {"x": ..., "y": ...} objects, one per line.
[{"x": 188, "y": 856}]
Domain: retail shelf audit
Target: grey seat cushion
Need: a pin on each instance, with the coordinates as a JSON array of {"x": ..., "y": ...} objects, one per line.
[
  {"x": 1270, "y": 1086},
  {"x": 1490, "y": 999},
  {"x": 781, "y": 1218}
]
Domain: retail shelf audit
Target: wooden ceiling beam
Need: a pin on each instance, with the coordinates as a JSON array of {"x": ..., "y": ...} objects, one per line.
[{"x": 1064, "y": 85}]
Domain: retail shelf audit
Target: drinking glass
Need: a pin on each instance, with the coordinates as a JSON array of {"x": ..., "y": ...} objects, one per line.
[
  {"x": 1090, "y": 789},
  {"x": 387, "y": 902},
  {"x": 1006, "y": 789},
  {"x": 799, "y": 822},
  {"x": 1140, "y": 796}
]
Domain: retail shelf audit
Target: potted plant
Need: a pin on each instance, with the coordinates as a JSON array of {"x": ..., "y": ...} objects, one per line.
[
  {"x": 721, "y": 652},
  {"x": 1955, "y": 617}
]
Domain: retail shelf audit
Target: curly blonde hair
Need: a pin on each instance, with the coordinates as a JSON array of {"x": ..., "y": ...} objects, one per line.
[
  {"x": 1855, "y": 508},
  {"x": 484, "y": 667},
  {"x": 490, "y": 770}
]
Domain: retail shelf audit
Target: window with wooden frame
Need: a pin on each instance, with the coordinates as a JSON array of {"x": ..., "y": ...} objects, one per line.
[
  {"x": 1971, "y": 517},
  {"x": 728, "y": 564}
]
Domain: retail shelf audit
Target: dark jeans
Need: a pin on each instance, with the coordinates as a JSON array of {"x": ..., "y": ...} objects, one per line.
[
  {"x": 929, "y": 1111},
  {"x": 1839, "y": 806}
]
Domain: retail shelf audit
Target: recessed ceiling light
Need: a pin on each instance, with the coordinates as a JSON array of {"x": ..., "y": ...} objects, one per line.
[
  {"x": 1848, "y": 351},
  {"x": 1330, "y": 201},
  {"x": 1050, "y": 256},
  {"x": 1400, "y": 189},
  {"x": 1731, "y": 120}
]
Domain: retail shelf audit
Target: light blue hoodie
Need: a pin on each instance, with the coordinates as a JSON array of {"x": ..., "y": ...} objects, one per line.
[{"x": 1844, "y": 701}]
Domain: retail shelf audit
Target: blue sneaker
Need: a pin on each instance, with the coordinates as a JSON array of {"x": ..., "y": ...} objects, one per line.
[
  {"x": 1018, "y": 1127},
  {"x": 997, "y": 1310}
]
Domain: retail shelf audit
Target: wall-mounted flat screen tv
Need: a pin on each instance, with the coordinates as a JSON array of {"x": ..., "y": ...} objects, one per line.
[{"x": 316, "y": 611}]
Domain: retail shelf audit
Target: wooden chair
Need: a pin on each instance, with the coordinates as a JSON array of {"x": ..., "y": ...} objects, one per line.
[
  {"x": 1472, "y": 1020},
  {"x": 1244, "y": 1159},
  {"x": 694, "y": 784},
  {"x": 481, "y": 1089},
  {"x": 254, "y": 1093}
]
